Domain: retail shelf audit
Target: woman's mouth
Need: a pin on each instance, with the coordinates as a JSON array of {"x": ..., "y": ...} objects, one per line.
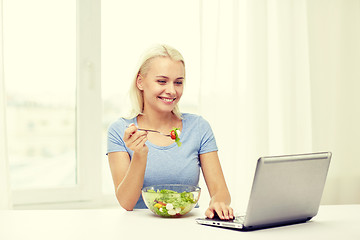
[{"x": 167, "y": 100}]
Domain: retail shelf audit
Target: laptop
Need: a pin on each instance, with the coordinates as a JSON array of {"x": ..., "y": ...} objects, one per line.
[{"x": 286, "y": 190}]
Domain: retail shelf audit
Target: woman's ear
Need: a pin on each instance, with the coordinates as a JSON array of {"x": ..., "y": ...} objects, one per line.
[{"x": 139, "y": 82}]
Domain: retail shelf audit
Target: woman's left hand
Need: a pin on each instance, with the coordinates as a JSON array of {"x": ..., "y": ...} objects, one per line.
[
  {"x": 223, "y": 210},
  {"x": 215, "y": 181}
]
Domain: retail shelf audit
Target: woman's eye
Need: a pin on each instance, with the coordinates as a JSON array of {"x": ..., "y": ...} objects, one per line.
[
  {"x": 179, "y": 83},
  {"x": 161, "y": 81}
]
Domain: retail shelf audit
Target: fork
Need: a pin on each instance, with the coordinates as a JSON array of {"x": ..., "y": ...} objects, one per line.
[{"x": 148, "y": 130}]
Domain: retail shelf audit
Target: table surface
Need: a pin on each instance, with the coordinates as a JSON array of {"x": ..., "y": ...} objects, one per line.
[{"x": 332, "y": 222}]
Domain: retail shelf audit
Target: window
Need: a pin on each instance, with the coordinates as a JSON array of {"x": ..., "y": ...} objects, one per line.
[
  {"x": 52, "y": 70},
  {"x": 57, "y": 119},
  {"x": 40, "y": 73}
]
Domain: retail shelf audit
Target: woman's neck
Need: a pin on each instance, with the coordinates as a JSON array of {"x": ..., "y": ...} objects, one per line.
[{"x": 158, "y": 121}]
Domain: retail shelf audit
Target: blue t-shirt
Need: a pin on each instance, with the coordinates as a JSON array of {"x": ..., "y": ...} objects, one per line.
[{"x": 169, "y": 164}]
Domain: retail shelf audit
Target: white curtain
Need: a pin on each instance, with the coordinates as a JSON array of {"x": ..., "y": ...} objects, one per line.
[
  {"x": 5, "y": 202},
  {"x": 256, "y": 85},
  {"x": 334, "y": 37}
]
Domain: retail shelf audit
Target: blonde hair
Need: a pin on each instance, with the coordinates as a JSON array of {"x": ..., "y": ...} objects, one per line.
[{"x": 136, "y": 95}]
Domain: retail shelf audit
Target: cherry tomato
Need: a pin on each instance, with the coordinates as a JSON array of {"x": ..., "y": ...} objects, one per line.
[
  {"x": 161, "y": 203},
  {"x": 173, "y": 135}
]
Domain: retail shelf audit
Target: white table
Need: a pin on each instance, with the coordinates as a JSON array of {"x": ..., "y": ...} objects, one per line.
[{"x": 332, "y": 222}]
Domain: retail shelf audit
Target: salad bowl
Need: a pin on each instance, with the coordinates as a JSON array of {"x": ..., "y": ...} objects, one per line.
[{"x": 171, "y": 200}]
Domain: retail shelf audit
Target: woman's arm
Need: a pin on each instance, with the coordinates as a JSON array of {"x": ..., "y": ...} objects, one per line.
[
  {"x": 215, "y": 181},
  {"x": 128, "y": 176}
]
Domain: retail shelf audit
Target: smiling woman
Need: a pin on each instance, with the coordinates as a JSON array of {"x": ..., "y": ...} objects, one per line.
[{"x": 139, "y": 159}]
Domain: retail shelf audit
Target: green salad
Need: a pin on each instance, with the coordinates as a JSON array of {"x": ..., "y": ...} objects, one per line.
[{"x": 171, "y": 203}]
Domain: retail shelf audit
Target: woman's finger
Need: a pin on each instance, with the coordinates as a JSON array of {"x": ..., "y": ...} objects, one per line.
[
  {"x": 228, "y": 212},
  {"x": 139, "y": 141},
  {"x": 231, "y": 213},
  {"x": 130, "y": 131},
  {"x": 142, "y": 143},
  {"x": 213, "y": 209},
  {"x": 209, "y": 213},
  {"x": 219, "y": 208},
  {"x": 134, "y": 138}
]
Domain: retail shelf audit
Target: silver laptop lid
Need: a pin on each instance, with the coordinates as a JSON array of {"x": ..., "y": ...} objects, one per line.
[{"x": 287, "y": 188}]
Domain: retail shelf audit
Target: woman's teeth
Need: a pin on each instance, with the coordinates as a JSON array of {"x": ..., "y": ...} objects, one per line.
[{"x": 167, "y": 99}]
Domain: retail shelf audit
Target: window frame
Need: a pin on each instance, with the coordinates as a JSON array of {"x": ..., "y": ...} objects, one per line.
[{"x": 88, "y": 117}]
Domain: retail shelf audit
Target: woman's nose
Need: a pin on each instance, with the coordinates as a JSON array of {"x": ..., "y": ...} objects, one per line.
[{"x": 170, "y": 88}]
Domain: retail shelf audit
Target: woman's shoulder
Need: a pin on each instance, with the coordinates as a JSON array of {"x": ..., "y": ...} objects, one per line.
[{"x": 194, "y": 119}]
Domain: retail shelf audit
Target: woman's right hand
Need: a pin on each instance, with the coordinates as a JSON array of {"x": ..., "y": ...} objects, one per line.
[{"x": 135, "y": 140}]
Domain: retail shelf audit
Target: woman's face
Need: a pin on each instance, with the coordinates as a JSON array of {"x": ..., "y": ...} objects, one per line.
[{"x": 162, "y": 86}]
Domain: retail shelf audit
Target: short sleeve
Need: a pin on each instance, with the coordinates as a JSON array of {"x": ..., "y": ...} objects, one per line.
[
  {"x": 115, "y": 141},
  {"x": 207, "y": 141}
]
